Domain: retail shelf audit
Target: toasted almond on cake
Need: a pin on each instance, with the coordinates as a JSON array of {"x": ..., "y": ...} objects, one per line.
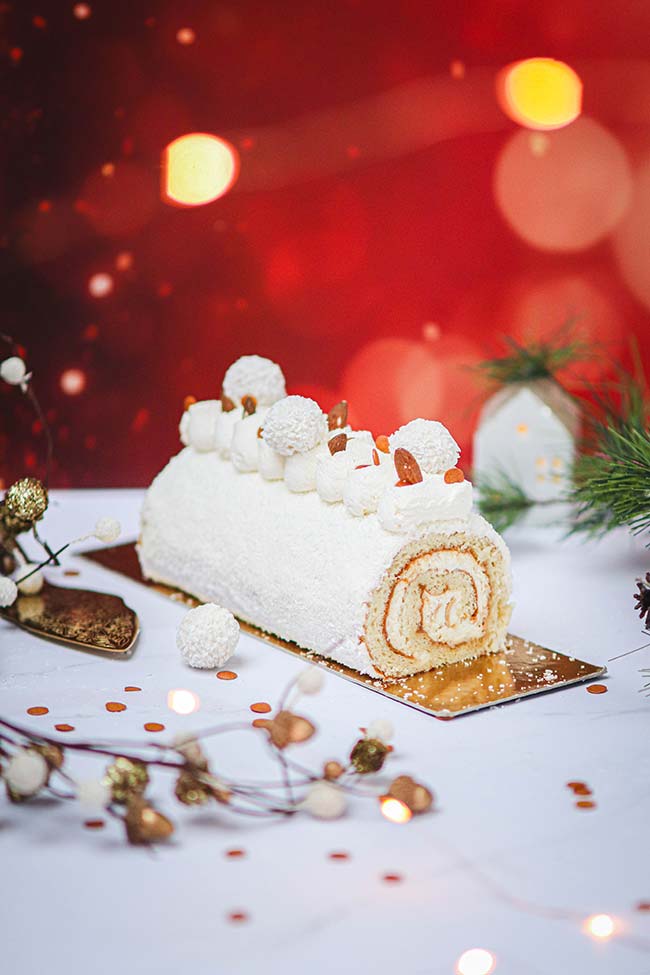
[
  {"x": 454, "y": 476},
  {"x": 249, "y": 404},
  {"x": 227, "y": 404},
  {"x": 375, "y": 458},
  {"x": 338, "y": 416},
  {"x": 407, "y": 466},
  {"x": 337, "y": 443},
  {"x": 260, "y": 430},
  {"x": 189, "y": 401},
  {"x": 382, "y": 443}
]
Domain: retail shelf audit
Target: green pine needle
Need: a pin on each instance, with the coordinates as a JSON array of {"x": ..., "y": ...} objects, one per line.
[
  {"x": 536, "y": 360},
  {"x": 502, "y": 501}
]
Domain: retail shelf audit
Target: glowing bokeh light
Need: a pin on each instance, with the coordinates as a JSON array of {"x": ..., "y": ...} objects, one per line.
[
  {"x": 600, "y": 926},
  {"x": 540, "y": 93},
  {"x": 100, "y": 285},
  {"x": 182, "y": 701},
  {"x": 198, "y": 168},
  {"x": 631, "y": 238},
  {"x": 124, "y": 261},
  {"x": 185, "y": 35},
  {"x": 394, "y": 810},
  {"x": 73, "y": 381},
  {"x": 571, "y": 195},
  {"x": 476, "y": 961},
  {"x": 81, "y": 11}
]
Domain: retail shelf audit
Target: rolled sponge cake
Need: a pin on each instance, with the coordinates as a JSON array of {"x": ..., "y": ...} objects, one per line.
[{"x": 383, "y": 602}]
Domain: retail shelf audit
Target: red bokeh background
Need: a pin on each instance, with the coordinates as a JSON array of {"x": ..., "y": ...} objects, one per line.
[{"x": 363, "y": 247}]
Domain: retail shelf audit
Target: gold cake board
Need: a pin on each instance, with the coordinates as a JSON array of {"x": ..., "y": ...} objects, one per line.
[{"x": 522, "y": 669}]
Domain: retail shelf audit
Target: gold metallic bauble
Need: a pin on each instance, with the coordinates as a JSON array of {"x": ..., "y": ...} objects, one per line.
[
  {"x": 368, "y": 755},
  {"x": 26, "y": 499},
  {"x": 417, "y": 797},
  {"x": 287, "y": 728},
  {"x": 333, "y": 770},
  {"x": 190, "y": 790},
  {"x": 126, "y": 779},
  {"x": 52, "y": 754},
  {"x": 144, "y": 824}
]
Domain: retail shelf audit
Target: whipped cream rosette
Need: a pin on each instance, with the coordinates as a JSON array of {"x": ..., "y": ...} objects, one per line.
[{"x": 366, "y": 553}]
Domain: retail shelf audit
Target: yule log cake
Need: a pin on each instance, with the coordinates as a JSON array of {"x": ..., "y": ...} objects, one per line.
[{"x": 366, "y": 552}]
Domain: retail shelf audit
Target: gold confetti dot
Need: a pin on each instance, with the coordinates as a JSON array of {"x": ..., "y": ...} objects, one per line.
[
  {"x": 227, "y": 675},
  {"x": 115, "y": 706},
  {"x": 339, "y": 855},
  {"x": 154, "y": 726},
  {"x": 585, "y": 804},
  {"x": 261, "y": 707},
  {"x": 238, "y": 916},
  {"x": 38, "y": 711},
  {"x": 596, "y": 689},
  {"x": 392, "y": 878},
  {"x": 94, "y": 824},
  {"x": 64, "y": 727},
  {"x": 235, "y": 854},
  {"x": 131, "y": 687}
]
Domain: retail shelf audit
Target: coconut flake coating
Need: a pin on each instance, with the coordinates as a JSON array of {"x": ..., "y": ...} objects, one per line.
[
  {"x": 253, "y": 375},
  {"x": 431, "y": 444},
  {"x": 294, "y": 425},
  {"x": 207, "y": 636}
]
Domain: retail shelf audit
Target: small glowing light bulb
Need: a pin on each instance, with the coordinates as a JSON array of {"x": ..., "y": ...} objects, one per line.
[
  {"x": 183, "y": 701},
  {"x": 394, "y": 810},
  {"x": 100, "y": 285},
  {"x": 476, "y": 961},
  {"x": 600, "y": 926},
  {"x": 73, "y": 381},
  {"x": 185, "y": 35}
]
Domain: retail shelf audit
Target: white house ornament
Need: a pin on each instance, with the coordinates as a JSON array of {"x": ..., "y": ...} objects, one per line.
[{"x": 527, "y": 432}]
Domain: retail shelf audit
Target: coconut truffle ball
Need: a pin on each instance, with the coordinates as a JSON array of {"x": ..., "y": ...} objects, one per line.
[
  {"x": 253, "y": 375},
  {"x": 207, "y": 636},
  {"x": 294, "y": 425},
  {"x": 431, "y": 444}
]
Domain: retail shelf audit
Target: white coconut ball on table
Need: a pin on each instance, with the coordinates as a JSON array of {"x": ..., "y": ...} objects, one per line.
[{"x": 207, "y": 636}]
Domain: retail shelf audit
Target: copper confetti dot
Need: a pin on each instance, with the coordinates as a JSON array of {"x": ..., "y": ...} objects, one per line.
[
  {"x": 392, "y": 878},
  {"x": 585, "y": 804},
  {"x": 261, "y": 707},
  {"x": 227, "y": 675},
  {"x": 94, "y": 824},
  {"x": 37, "y": 711},
  {"x": 64, "y": 727},
  {"x": 260, "y": 723},
  {"x": 235, "y": 854},
  {"x": 71, "y": 572},
  {"x": 643, "y": 906},
  {"x": 575, "y": 785},
  {"x": 581, "y": 789},
  {"x": 154, "y": 726},
  {"x": 238, "y": 916},
  {"x": 339, "y": 855},
  {"x": 115, "y": 706},
  {"x": 132, "y": 688},
  {"x": 596, "y": 688}
]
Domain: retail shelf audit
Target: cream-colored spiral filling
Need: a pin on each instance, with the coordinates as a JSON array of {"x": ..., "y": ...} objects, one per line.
[{"x": 442, "y": 594}]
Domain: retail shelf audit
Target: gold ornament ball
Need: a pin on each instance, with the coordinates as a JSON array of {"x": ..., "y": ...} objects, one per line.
[
  {"x": 126, "y": 779},
  {"x": 144, "y": 824},
  {"x": 26, "y": 499},
  {"x": 368, "y": 755},
  {"x": 414, "y": 795},
  {"x": 190, "y": 790}
]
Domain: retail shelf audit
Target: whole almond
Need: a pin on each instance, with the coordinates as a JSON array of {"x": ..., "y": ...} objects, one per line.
[
  {"x": 381, "y": 443},
  {"x": 407, "y": 467},
  {"x": 338, "y": 416},
  {"x": 454, "y": 476},
  {"x": 249, "y": 404},
  {"x": 259, "y": 432},
  {"x": 227, "y": 404},
  {"x": 337, "y": 443},
  {"x": 375, "y": 458}
]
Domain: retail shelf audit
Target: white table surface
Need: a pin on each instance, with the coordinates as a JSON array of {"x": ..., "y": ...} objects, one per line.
[{"x": 505, "y": 846}]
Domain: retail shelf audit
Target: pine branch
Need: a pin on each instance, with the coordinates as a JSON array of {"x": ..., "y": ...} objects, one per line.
[
  {"x": 502, "y": 501},
  {"x": 611, "y": 483},
  {"x": 535, "y": 360}
]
